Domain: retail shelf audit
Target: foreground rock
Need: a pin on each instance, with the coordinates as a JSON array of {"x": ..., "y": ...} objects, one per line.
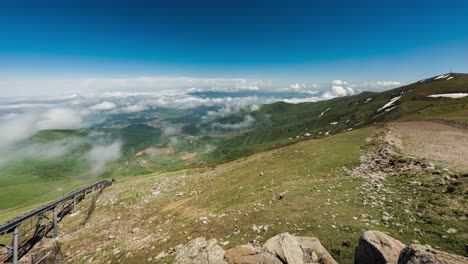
[
  {"x": 311, "y": 245},
  {"x": 377, "y": 248},
  {"x": 280, "y": 249},
  {"x": 419, "y": 254},
  {"x": 298, "y": 250},
  {"x": 286, "y": 248},
  {"x": 249, "y": 255},
  {"x": 200, "y": 251}
]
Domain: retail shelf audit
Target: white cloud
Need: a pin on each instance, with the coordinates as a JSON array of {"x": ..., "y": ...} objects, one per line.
[
  {"x": 339, "y": 90},
  {"x": 378, "y": 85},
  {"x": 339, "y": 82},
  {"x": 101, "y": 155},
  {"x": 60, "y": 118},
  {"x": 134, "y": 108},
  {"x": 106, "y": 105},
  {"x": 247, "y": 122}
]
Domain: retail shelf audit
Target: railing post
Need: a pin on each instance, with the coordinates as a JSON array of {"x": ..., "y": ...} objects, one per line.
[
  {"x": 55, "y": 222},
  {"x": 74, "y": 204},
  {"x": 15, "y": 245}
]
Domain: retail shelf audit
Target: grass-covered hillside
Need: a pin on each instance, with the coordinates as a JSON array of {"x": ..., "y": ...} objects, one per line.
[
  {"x": 53, "y": 162},
  {"x": 330, "y": 188}
]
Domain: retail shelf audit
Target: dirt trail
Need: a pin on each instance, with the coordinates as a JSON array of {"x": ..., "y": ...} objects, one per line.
[{"x": 431, "y": 140}]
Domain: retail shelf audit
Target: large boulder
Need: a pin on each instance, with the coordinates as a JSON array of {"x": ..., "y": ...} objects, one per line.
[
  {"x": 377, "y": 248},
  {"x": 200, "y": 251},
  {"x": 298, "y": 250},
  {"x": 249, "y": 255},
  {"x": 311, "y": 246},
  {"x": 286, "y": 248},
  {"x": 419, "y": 254}
]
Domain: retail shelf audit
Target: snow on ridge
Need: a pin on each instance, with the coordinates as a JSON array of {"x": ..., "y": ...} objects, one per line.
[
  {"x": 392, "y": 101},
  {"x": 441, "y": 76},
  {"x": 325, "y": 112},
  {"x": 449, "y": 95},
  {"x": 450, "y": 78}
]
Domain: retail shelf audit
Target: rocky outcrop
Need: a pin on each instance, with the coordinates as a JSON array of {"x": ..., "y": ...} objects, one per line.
[
  {"x": 374, "y": 248},
  {"x": 419, "y": 254},
  {"x": 280, "y": 249},
  {"x": 249, "y": 255},
  {"x": 377, "y": 248},
  {"x": 286, "y": 248},
  {"x": 200, "y": 251},
  {"x": 311, "y": 246}
]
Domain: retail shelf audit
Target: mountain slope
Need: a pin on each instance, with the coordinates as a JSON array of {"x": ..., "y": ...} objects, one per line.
[
  {"x": 293, "y": 121},
  {"x": 309, "y": 189}
]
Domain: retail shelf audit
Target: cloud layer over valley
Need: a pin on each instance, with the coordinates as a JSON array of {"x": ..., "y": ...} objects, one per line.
[{"x": 126, "y": 99}]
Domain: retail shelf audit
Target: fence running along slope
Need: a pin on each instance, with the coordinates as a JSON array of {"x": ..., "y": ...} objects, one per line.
[{"x": 48, "y": 216}]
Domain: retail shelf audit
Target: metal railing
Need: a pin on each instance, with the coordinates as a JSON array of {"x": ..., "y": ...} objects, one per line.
[{"x": 67, "y": 203}]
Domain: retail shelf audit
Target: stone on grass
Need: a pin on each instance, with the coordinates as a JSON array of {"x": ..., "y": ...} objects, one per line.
[
  {"x": 419, "y": 254},
  {"x": 200, "y": 251},
  {"x": 376, "y": 247},
  {"x": 286, "y": 248},
  {"x": 311, "y": 246}
]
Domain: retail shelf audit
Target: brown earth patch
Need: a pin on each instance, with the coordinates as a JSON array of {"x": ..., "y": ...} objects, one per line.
[
  {"x": 192, "y": 212},
  {"x": 431, "y": 140},
  {"x": 174, "y": 205},
  {"x": 187, "y": 155}
]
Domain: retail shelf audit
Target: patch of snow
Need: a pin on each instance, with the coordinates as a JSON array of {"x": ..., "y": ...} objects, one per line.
[
  {"x": 392, "y": 101},
  {"x": 328, "y": 132},
  {"x": 349, "y": 129},
  {"x": 307, "y": 134},
  {"x": 333, "y": 123},
  {"x": 441, "y": 77},
  {"x": 359, "y": 123},
  {"x": 368, "y": 100},
  {"x": 449, "y": 78},
  {"x": 390, "y": 109},
  {"x": 325, "y": 111},
  {"x": 449, "y": 95}
]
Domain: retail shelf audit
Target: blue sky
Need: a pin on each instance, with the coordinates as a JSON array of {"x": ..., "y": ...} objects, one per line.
[{"x": 282, "y": 41}]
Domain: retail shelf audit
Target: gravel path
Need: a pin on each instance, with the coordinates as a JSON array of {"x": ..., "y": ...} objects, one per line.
[{"x": 431, "y": 140}]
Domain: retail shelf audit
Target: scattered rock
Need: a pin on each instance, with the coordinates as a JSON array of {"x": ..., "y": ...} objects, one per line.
[
  {"x": 376, "y": 247},
  {"x": 161, "y": 255},
  {"x": 419, "y": 254},
  {"x": 200, "y": 251},
  {"x": 452, "y": 230},
  {"x": 204, "y": 220}
]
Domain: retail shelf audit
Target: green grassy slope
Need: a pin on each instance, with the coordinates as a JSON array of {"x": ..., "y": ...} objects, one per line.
[{"x": 320, "y": 200}]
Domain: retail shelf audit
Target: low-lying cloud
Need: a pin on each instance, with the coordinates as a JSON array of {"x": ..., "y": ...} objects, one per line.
[{"x": 247, "y": 122}]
